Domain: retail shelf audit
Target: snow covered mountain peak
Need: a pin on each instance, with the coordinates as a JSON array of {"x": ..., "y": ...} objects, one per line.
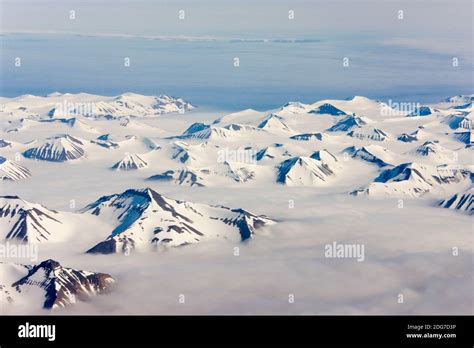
[
  {"x": 145, "y": 219},
  {"x": 328, "y": 109},
  {"x": 461, "y": 98},
  {"x": 348, "y": 123},
  {"x": 374, "y": 154},
  {"x": 29, "y": 222},
  {"x": 369, "y": 133},
  {"x": 11, "y": 170},
  {"x": 274, "y": 124},
  {"x": 204, "y": 131},
  {"x": 325, "y": 156},
  {"x": 131, "y": 161},
  {"x": 316, "y": 170},
  {"x": 161, "y": 104},
  {"x": 422, "y": 111},
  {"x": 58, "y": 149},
  {"x": 60, "y": 286},
  {"x": 435, "y": 152},
  {"x": 414, "y": 180},
  {"x": 294, "y": 108}
]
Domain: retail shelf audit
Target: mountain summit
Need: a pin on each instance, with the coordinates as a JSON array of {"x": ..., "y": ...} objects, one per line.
[{"x": 144, "y": 218}]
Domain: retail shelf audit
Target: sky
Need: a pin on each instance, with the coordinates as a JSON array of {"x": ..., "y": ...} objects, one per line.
[
  {"x": 404, "y": 59},
  {"x": 435, "y": 19}
]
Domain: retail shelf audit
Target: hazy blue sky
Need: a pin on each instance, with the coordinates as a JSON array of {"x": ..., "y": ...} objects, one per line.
[
  {"x": 423, "y": 18},
  {"x": 409, "y": 58}
]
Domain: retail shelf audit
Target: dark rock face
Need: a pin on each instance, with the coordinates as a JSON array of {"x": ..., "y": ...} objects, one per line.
[
  {"x": 421, "y": 111},
  {"x": 4, "y": 143},
  {"x": 460, "y": 201},
  {"x": 63, "y": 286},
  {"x": 307, "y": 136},
  {"x": 108, "y": 246},
  {"x": 407, "y": 138},
  {"x": 328, "y": 109},
  {"x": 370, "y": 134},
  {"x": 426, "y": 149},
  {"x": 165, "y": 176},
  {"x": 195, "y": 127},
  {"x": 181, "y": 177},
  {"x": 465, "y": 137}
]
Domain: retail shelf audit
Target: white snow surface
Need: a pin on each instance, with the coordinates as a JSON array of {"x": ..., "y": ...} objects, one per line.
[{"x": 411, "y": 204}]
